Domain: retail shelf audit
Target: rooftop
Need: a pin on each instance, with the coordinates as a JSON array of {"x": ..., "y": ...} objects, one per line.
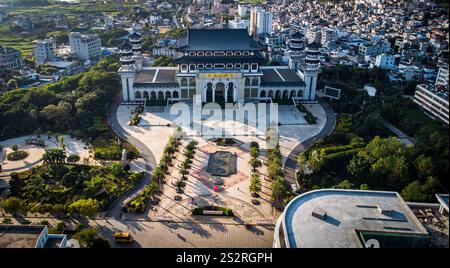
[
  {"x": 273, "y": 76},
  {"x": 351, "y": 217},
  {"x": 13, "y": 236},
  {"x": 157, "y": 76},
  {"x": 218, "y": 39}
]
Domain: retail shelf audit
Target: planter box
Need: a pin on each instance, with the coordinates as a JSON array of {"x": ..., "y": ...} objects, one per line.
[{"x": 212, "y": 212}]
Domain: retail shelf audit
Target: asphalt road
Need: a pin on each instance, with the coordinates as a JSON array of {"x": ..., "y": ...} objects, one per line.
[
  {"x": 290, "y": 164},
  {"x": 147, "y": 155}
]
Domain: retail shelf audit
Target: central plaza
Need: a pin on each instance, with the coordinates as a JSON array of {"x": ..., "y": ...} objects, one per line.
[{"x": 158, "y": 125}]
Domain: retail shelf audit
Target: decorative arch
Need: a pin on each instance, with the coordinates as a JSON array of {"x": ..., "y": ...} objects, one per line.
[
  {"x": 184, "y": 82},
  {"x": 209, "y": 92},
  {"x": 137, "y": 95},
  {"x": 247, "y": 81},
  {"x": 175, "y": 95},
  {"x": 255, "y": 82},
  {"x": 168, "y": 95},
  {"x": 278, "y": 94},
  {"x": 270, "y": 94},
  {"x": 160, "y": 95},
  {"x": 230, "y": 92},
  {"x": 292, "y": 95},
  {"x": 285, "y": 94},
  {"x": 219, "y": 92},
  {"x": 146, "y": 95},
  {"x": 262, "y": 94},
  {"x": 300, "y": 93},
  {"x": 153, "y": 95}
]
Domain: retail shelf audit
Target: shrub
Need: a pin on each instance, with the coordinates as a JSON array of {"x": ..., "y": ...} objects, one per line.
[
  {"x": 73, "y": 158},
  {"x": 197, "y": 211},
  {"x": 17, "y": 155}
]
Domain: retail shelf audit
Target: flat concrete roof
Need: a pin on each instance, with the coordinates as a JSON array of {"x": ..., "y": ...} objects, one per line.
[
  {"x": 347, "y": 213},
  {"x": 157, "y": 76},
  {"x": 13, "y": 236},
  {"x": 279, "y": 77}
]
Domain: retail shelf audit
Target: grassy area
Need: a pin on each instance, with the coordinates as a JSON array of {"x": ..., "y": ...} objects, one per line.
[
  {"x": 68, "y": 9},
  {"x": 25, "y": 45}
]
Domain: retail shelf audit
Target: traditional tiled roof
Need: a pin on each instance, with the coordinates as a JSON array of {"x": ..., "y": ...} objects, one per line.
[{"x": 218, "y": 39}]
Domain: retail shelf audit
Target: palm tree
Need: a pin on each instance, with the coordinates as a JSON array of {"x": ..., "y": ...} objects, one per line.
[
  {"x": 184, "y": 171},
  {"x": 255, "y": 185},
  {"x": 255, "y": 163}
]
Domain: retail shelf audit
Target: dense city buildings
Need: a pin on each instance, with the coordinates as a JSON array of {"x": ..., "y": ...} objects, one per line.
[{"x": 224, "y": 123}]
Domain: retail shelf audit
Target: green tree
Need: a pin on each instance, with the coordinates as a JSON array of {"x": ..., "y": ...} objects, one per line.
[
  {"x": 14, "y": 205},
  {"x": 84, "y": 207},
  {"x": 255, "y": 184},
  {"x": 54, "y": 156}
]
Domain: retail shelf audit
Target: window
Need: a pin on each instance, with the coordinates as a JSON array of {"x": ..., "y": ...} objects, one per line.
[
  {"x": 209, "y": 53},
  {"x": 191, "y": 53},
  {"x": 229, "y": 53},
  {"x": 184, "y": 67},
  {"x": 184, "y": 93},
  {"x": 192, "y": 67},
  {"x": 200, "y": 66},
  {"x": 219, "y": 53},
  {"x": 219, "y": 66},
  {"x": 208, "y": 66},
  {"x": 246, "y": 53},
  {"x": 229, "y": 66},
  {"x": 237, "y": 53},
  {"x": 246, "y": 66},
  {"x": 254, "y": 66},
  {"x": 201, "y": 53},
  {"x": 247, "y": 93},
  {"x": 254, "y": 92},
  {"x": 237, "y": 66}
]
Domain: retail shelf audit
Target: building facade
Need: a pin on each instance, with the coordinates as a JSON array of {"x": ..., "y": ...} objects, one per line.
[
  {"x": 10, "y": 59},
  {"x": 434, "y": 100},
  {"x": 261, "y": 22},
  {"x": 85, "y": 46},
  {"x": 44, "y": 50},
  {"x": 219, "y": 65}
]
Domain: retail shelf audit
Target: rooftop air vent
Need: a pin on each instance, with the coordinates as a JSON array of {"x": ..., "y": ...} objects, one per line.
[
  {"x": 319, "y": 213},
  {"x": 385, "y": 210}
]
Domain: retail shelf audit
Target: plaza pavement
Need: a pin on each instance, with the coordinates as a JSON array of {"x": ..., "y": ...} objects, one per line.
[
  {"x": 177, "y": 235},
  {"x": 73, "y": 146}
]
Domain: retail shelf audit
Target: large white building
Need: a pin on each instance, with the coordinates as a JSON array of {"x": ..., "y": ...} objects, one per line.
[
  {"x": 261, "y": 22},
  {"x": 335, "y": 218},
  {"x": 44, "y": 50},
  {"x": 85, "y": 46},
  {"x": 219, "y": 65},
  {"x": 434, "y": 100}
]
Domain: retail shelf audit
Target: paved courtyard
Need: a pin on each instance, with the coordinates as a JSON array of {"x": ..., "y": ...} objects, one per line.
[
  {"x": 73, "y": 146},
  {"x": 157, "y": 125}
]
